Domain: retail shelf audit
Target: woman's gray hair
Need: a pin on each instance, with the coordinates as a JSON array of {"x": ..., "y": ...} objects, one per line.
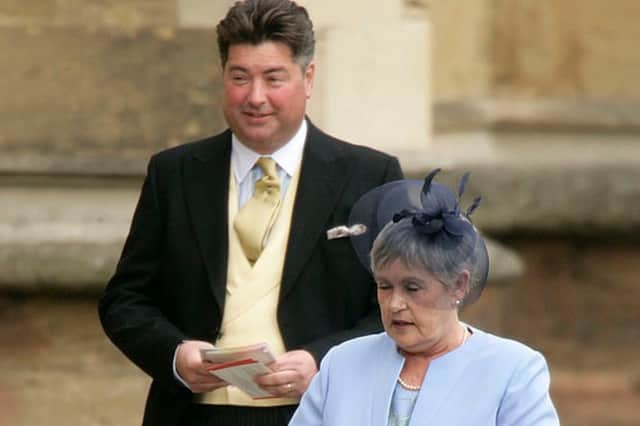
[{"x": 402, "y": 241}]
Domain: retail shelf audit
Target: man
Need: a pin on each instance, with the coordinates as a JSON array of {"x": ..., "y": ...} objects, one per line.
[{"x": 228, "y": 243}]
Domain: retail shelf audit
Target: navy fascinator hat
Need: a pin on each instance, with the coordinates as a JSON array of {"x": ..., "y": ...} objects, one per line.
[{"x": 436, "y": 215}]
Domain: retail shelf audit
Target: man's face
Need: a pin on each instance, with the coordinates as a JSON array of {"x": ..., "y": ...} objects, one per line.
[{"x": 265, "y": 94}]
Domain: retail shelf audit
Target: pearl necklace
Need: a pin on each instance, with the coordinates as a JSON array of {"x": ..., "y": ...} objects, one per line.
[
  {"x": 408, "y": 386},
  {"x": 465, "y": 335}
]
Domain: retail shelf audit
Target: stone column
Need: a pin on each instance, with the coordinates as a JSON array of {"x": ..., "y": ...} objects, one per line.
[
  {"x": 372, "y": 72},
  {"x": 201, "y": 13}
]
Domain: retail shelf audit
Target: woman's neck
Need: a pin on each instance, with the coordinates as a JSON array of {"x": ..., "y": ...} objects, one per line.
[
  {"x": 416, "y": 363},
  {"x": 449, "y": 341}
]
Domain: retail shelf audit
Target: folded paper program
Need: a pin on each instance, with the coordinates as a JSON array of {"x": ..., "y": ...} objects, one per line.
[{"x": 346, "y": 231}]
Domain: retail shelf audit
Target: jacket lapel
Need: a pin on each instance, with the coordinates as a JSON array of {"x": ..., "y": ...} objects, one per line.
[
  {"x": 386, "y": 375},
  {"x": 443, "y": 376},
  {"x": 206, "y": 185},
  {"x": 323, "y": 173}
]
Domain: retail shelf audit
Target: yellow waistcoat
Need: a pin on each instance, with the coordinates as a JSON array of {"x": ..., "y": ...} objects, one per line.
[{"x": 252, "y": 297}]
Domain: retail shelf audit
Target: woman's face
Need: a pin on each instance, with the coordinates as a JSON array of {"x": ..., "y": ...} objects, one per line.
[{"x": 418, "y": 310}]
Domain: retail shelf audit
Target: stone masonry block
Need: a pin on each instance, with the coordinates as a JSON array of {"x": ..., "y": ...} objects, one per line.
[
  {"x": 118, "y": 15},
  {"x": 202, "y": 13},
  {"x": 19, "y": 9},
  {"x": 462, "y": 67},
  {"x": 73, "y": 92},
  {"x": 364, "y": 97},
  {"x": 571, "y": 48},
  {"x": 63, "y": 237},
  {"x": 588, "y": 200},
  {"x": 69, "y": 237}
]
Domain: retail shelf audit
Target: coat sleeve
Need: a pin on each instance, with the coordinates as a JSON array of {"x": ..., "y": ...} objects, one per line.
[
  {"x": 526, "y": 401},
  {"x": 129, "y": 308},
  {"x": 310, "y": 412}
]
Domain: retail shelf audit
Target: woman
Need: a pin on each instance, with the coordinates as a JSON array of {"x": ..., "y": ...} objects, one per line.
[{"x": 427, "y": 368}]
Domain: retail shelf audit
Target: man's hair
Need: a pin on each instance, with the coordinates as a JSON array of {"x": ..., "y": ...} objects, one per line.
[{"x": 257, "y": 21}]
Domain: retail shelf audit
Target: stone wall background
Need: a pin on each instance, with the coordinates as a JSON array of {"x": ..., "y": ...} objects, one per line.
[
  {"x": 538, "y": 98},
  {"x": 578, "y": 49},
  {"x": 113, "y": 80}
]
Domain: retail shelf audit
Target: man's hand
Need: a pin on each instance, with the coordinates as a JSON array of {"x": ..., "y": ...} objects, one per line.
[
  {"x": 292, "y": 374},
  {"x": 193, "y": 370}
]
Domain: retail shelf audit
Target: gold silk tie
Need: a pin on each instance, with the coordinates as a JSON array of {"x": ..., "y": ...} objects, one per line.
[{"x": 255, "y": 219}]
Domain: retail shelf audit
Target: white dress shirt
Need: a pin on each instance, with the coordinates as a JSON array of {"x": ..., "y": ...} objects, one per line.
[{"x": 246, "y": 173}]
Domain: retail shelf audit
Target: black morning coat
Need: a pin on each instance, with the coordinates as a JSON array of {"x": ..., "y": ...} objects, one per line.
[{"x": 169, "y": 284}]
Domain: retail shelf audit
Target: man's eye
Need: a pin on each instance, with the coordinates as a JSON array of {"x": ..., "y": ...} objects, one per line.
[{"x": 238, "y": 78}]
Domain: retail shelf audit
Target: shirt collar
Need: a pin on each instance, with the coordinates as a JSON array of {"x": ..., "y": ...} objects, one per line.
[{"x": 287, "y": 156}]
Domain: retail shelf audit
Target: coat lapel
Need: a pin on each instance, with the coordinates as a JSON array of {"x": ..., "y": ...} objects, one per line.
[
  {"x": 323, "y": 173},
  {"x": 386, "y": 375},
  {"x": 443, "y": 377},
  {"x": 206, "y": 185}
]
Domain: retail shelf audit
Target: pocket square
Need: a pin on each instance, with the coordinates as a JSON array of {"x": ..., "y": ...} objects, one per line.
[{"x": 346, "y": 231}]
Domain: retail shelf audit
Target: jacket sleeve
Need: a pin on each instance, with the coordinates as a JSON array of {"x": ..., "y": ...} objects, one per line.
[
  {"x": 310, "y": 412},
  {"x": 129, "y": 308},
  {"x": 526, "y": 400}
]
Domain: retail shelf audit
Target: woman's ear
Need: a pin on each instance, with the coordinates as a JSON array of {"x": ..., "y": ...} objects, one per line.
[{"x": 461, "y": 286}]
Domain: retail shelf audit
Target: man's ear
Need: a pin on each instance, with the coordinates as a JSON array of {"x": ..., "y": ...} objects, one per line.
[{"x": 309, "y": 73}]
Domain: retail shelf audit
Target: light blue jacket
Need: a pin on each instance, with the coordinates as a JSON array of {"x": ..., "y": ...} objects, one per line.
[{"x": 487, "y": 381}]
